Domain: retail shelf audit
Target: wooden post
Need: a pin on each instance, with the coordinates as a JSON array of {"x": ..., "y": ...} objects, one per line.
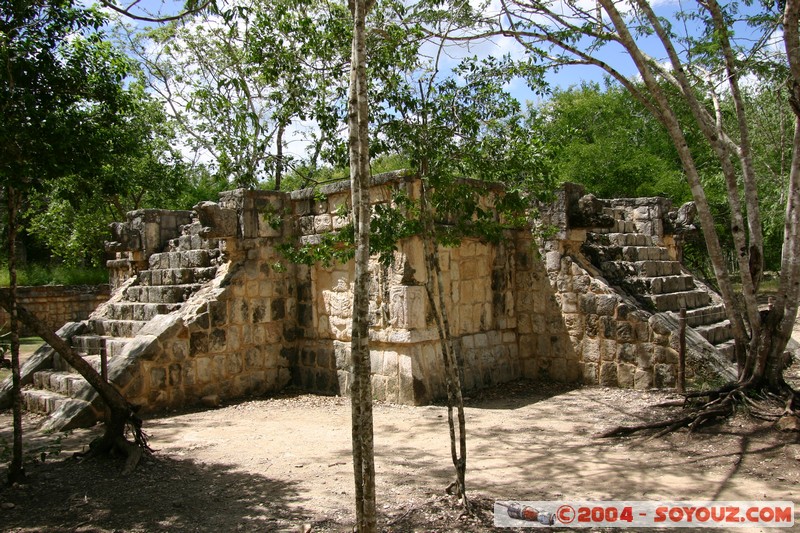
[
  {"x": 682, "y": 351},
  {"x": 103, "y": 364}
]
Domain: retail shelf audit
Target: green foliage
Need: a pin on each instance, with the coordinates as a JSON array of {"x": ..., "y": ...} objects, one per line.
[
  {"x": 605, "y": 140},
  {"x": 61, "y": 86},
  {"x": 140, "y": 170},
  {"x": 468, "y": 126},
  {"x": 302, "y": 176},
  {"x": 392, "y": 223},
  {"x": 446, "y": 130},
  {"x": 235, "y": 88},
  {"x": 334, "y": 247},
  {"x": 37, "y": 274},
  {"x": 79, "y": 136},
  {"x": 771, "y": 135}
]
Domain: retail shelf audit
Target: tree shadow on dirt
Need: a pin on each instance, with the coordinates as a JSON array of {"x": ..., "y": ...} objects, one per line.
[
  {"x": 163, "y": 493},
  {"x": 514, "y": 394}
]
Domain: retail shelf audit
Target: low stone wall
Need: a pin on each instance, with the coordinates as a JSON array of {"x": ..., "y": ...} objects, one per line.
[{"x": 56, "y": 305}]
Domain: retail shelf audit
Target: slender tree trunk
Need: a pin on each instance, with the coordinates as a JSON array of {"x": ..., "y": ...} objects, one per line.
[
  {"x": 361, "y": 389},
  {"x": 279, "y": 154},
  {"x": 453, "y": 363},
  {"x": 16, "y": 470}
]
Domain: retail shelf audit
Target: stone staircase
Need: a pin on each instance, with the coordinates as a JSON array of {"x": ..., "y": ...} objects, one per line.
[
  {"x": 171, "y": 278},
  {"x": 645, "y": 269}
]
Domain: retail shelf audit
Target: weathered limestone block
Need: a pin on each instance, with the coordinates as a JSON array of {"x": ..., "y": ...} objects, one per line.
[
  {"x": 217, "y": 222},
  {"x": 569, "y": 302},
  {"x": 608, "y": 374},
  {"x": 322, "y": 223},
  {"x": 625, "y": 332},
  {"x": 606, "y": 304},
  {"x": 642, "y": 379},
  {"x": 553, "y": 261},
  {"x": 591, "y": 350},
  {"x": 626, "y": 375},
  {"x": 664, "y": 376},
  {"x": 590, "y": 373}
]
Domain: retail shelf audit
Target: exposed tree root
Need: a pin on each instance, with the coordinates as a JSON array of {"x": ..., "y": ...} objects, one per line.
[
  {"x": 115, "y": 440},
  {"x": 706, "y": 408}
]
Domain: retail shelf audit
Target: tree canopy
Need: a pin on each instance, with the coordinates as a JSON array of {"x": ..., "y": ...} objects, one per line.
[{"x": 62, "y": 89}]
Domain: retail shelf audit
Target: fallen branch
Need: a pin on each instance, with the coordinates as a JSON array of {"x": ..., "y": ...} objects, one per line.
[{"x": 122, "y": 415}]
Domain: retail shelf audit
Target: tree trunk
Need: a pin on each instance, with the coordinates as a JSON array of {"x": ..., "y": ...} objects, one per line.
[
  {"x": 453, "y": 363},
  {"x": 669, "y": 119},
  {"x": 121, "y": 412},
  {"x": 279, "y": 154},
  {"x": 361, "y": 388},
  {"x": 16, "y": 470}
]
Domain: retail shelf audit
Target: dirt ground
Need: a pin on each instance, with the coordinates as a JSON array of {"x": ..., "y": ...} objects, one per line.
[{"x": 284, "y": 464}]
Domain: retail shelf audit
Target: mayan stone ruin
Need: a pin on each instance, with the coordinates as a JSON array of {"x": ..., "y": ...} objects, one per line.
[{"x": 204, "y": 308}]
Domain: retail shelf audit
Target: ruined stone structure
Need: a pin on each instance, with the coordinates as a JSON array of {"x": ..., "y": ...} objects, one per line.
[
  {"x": 615, "y": 266},
  {"x": 205, "y": 308}
]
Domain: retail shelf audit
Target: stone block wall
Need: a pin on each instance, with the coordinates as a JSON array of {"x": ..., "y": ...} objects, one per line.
[
  {"x": 263, "y": 322},
  {"x": 55, "y": 305},
  {"x": 490, "y": 295},
  {"x": 206, "y": 308},
  {"x": 610, "y": 334}
]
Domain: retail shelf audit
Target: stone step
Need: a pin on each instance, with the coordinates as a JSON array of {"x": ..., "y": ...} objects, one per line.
[
  {"x": 60, "y": 365},
  {"x": 645, "y": 269},
  {"x": 728, "y": 349},
  {"x": 617, "y": 213},
  {"x": 645, "y": 253},
  {"x": 139, "y": 311},
  {"x": 60, "y": 381},
  {"x": 629, "y": 239},
  {"x": 619, "y": 226},
  {"x": 676, "y": 300},
  {"x": 189, "y": 240},
  {"x": 176, "y": 276},
  {"x": 94, "y": 344},
  {"x": 116, "y": 328},
  {"x": 662, "y": 284},
  {"x": 193, "y": 229},
  {"x": 42, "y": 401},
  {"x": 182, "y": 259},
  {"x": 65, "y": 413},
  {"x": 88, "y": 344},
  {"x": 163, "y": 294},
  {"x": 715, "y": 333},
  {"x": 703, "y": 316}
]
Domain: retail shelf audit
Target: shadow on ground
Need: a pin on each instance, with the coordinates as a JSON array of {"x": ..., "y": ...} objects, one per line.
[{"x": 162, "y": 494}]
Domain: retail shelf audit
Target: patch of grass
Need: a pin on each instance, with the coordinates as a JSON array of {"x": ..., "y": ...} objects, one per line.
[
  {"x": 27, "y": 346},
  {"x": 35, "y": 275},
  {"x": 770, "y": 285}
]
